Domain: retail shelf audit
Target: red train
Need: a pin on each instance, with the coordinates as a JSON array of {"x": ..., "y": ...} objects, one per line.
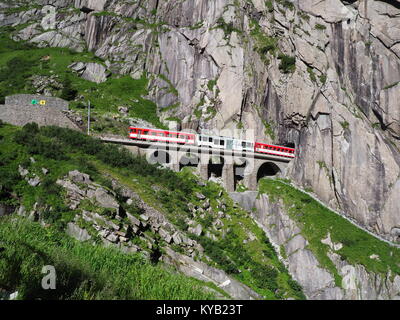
[{"x": 202, "y": 140}]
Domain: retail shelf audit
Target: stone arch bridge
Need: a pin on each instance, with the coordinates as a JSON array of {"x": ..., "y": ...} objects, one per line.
[{"x": 233, "y": 167}]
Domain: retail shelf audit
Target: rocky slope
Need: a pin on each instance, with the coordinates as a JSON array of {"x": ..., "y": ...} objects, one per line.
[
  {"x": 104, "y": 196},
  {"x": 331, "y": 259},
  {"x": 321, "y": 75}
]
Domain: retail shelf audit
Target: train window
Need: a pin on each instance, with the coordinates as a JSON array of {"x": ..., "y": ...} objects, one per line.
[
  {"x": 222, "y": 143},
  {"x": 249, "y": 145},
  {"x": 243, "y": 144},
  {"x": 216, "y": 141},
  {"x": 210, "y": 139}
]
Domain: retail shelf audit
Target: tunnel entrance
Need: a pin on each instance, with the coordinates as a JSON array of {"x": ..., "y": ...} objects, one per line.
[
  {"x": 160, "y": 157},
  {"x": 215, "y": 167},
  {"x": 189, "y": 160},
  {"x": 268, "y": 169}
]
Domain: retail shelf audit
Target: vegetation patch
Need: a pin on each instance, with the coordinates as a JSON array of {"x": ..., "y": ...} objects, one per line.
[
  {"x": 19, "y": 61},
  {"x": 252, "y": 261},
  {"x": 320, "y": 26},
  {"x": 316, "y": 221},
  {"x": 288, "y": 63},
  {"x": 83, "y": 271}
]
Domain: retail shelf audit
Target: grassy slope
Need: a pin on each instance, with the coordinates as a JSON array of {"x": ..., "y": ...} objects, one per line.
[
  {"x": 29, "y": 246},
  {"x": 316, "y": 221},
  {"x": 255, "y": 263},
  {"x": 19, "y": 61},
  {"x": 83, "y": 271}
]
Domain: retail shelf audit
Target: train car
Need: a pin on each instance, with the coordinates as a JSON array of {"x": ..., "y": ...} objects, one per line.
[
  {"x": 215, "y": 142},
  {"x": 274, "y": 150},
  {"x": 159, "y": 135},
  {"x": 226, "y": 143}
]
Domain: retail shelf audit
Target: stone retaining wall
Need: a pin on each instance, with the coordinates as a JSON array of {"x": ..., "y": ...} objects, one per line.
[
  {"x": 31, "y": 100},
  {"x": 20, "y": 115}
]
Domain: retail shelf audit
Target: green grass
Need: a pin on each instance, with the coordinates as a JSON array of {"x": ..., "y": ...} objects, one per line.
[
  {"x": 316, "y": 221},
  {"x": 320, "y": 26},
  {"x": 312, "y": 74},
  {"x": 228, "y": 28},
  {"x": 264, "y": 44},
  {"x": 345, "y": 124},
  {"x": 391, "y": 85},
  {"x": 288, "y": 63},
  {"x": 83, "y": 271},
  {"x": 287, "y": 4}
]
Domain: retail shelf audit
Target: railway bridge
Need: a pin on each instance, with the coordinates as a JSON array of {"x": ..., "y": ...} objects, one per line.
[{"x": 234, "y": 167}]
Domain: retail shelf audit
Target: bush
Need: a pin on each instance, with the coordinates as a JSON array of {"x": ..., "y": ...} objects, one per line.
[
  {"x": 265, "y": 277},
  {"x": 68, "y": 92},
  {"x": 288, "y": 63}
]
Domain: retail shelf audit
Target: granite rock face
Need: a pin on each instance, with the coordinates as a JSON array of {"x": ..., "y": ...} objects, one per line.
[
  {"x": 224, "y": 64},
  {"x": 318, "y": 283}
]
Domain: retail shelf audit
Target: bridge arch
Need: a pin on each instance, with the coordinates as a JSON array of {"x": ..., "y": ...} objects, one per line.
[
  {"x": 268, "y": 169},
  {"x": 215, "y": 166},
  {"x": 189, "y": 160},
  {"x": 159, "y": 156},
  {"x": 240, "y": 168}
]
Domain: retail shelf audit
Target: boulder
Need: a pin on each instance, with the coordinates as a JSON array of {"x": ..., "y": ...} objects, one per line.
[
  {"x": 78, "y": 67},
  {"x": 112, "y": 237},
  {"x": 77, "y": 176},
  {"x": 135, "y": 221},
  {"x": 200, "y": 196},
  {"x": 123, "y": 110},
  {"x": 197, "y": 230},
  {"x": 206, "y": 204},
  {"x": 95, "y": 72},
  {"x": 163, "y": 233},
  {"x": 80, "y": 234},
  {"x": 74, "y": 192},
  {"x": 105, "y": 200},
  {"x": 34, "y": 182},
  {"x": 23, "y": 172},
  {"x": 177, "y": 238}
]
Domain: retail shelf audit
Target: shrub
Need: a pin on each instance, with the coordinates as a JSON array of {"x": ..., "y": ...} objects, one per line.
[
  {"x": 320, "y": 27},
  {"x": 68, "y": 92},
  {"x": 288, "y": 63},
  {"x": 266, "y": 277}
]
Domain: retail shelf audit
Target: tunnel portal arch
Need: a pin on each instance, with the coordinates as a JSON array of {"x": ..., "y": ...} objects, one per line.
[{"x": 268, "y": 169}]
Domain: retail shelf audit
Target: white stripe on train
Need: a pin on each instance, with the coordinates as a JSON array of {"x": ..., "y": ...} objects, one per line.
[{"x": 285, "y": 154}]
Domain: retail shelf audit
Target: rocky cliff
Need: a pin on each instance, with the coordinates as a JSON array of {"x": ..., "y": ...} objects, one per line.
[
  {"x": 321, "y": 75},
  {"x": 326, "y": 254}
]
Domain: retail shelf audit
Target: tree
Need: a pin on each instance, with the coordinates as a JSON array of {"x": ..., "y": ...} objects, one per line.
[{"x": 68, "y": 92}]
